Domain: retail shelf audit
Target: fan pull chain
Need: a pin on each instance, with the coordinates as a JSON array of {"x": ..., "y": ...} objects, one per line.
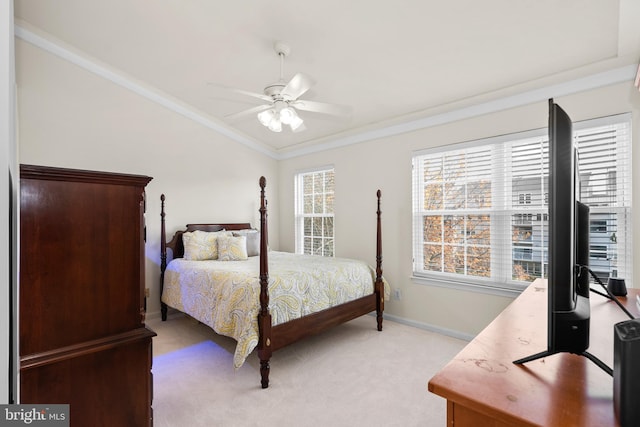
[{"x": 281, "y": 55}]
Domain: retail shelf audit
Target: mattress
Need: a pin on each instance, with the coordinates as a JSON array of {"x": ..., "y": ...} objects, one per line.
[{"x": 225, "y": 295}]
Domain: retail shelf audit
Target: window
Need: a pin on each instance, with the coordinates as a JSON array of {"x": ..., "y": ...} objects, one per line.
[
  {"x": 314, "y": 195},
  {"x": 524, "y": 198},
  {"x": 481, "y": 208}
]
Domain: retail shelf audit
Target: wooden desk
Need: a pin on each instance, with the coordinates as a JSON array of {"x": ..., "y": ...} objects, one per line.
[{"x": 484, "y": 388}]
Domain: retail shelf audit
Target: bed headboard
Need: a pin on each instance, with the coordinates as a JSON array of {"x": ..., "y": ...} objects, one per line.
[{"x": 176, "y": 245}]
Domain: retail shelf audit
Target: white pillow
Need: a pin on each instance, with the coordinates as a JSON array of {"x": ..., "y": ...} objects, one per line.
[
  {"x": 201, "y": 245},
  {"x": 253, "y": 240},
  {"x": 232, "y": 248}
]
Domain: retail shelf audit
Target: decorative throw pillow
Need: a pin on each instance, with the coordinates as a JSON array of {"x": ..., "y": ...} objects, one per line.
[
  {"x": 201, "y": 245},
  {"x": 232, "y": 248},
  {"x": 253, "y": 240}
]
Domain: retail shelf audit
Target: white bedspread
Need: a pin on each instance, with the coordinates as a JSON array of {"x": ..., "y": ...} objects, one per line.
[{"x": 225, "y": 295}]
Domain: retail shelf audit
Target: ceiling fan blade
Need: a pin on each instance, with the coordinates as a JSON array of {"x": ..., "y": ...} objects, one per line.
[
  {"x": 299, "y": 84},
  {"x": 323, "y": 108},
  {"x": 241, "y": 91},
  {"x": 254, "y": 94},
  {"x": 251, "y": 111}
]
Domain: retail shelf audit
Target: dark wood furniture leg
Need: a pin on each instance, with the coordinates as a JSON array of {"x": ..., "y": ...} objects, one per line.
[
  {"x": 264, "y": 317},
  {"x": 163, "y": 257},
  {"x": 379, "y": 284}
]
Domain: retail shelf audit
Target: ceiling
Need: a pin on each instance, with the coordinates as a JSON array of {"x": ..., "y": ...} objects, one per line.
[{"x": 394, "y": 64}]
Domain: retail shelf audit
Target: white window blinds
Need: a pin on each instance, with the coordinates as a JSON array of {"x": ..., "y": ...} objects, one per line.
[
  {"x": 480, "y": 209},
  {"x": 314, "y": 196}
]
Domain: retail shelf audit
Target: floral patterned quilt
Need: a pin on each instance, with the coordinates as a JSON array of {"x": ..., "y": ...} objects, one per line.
[{"x": 225, "y": 294}]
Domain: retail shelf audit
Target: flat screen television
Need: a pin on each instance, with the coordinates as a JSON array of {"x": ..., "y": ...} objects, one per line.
[{"x": 568, "y": 275}]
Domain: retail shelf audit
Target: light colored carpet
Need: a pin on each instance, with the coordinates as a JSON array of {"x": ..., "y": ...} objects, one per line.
[{"x": 351, "y": 375}]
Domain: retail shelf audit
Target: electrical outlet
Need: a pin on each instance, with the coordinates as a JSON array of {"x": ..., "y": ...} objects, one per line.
[{"x": 397, "y": 294}]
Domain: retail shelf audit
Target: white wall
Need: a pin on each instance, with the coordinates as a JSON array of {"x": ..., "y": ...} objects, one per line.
[
  {"x": 386, "y": 164},
  {"x": 70, "y": 117},
  {"x": 8, "y": 196}
]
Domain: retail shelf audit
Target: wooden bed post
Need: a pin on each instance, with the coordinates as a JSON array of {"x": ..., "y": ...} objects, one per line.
[
  {"x": 163, "y": 257},
  {"x": 264, "y": 317},
  {"x": 379, "y": 285}
]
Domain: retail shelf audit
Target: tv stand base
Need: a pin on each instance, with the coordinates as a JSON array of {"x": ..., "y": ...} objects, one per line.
[{"x": 586, "y": 354}]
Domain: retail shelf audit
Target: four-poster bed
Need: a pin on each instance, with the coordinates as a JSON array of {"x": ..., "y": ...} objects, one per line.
[{"x": 304, "y": 294}]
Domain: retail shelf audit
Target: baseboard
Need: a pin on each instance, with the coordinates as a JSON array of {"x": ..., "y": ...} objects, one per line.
[
  {"x": 420, "y": 325},
  {"x": 428, "y": 327}
]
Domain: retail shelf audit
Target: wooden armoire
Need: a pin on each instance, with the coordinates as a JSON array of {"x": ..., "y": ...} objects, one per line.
[{"x": 82, "y": 334}]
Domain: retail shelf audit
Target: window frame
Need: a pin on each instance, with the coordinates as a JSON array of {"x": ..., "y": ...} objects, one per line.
[
  {"x": 300, "y": 215},
  {"x": 501, "y": 245}
]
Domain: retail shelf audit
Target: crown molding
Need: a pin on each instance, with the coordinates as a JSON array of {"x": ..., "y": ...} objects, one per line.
[
  {"x": 594, "y": 81},
  {"x": 613, "y": 76},
  {"x": 152, "y": 94}
]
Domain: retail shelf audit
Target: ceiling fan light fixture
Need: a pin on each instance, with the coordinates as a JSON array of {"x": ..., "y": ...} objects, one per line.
[
  {"x": 275, "y": 125},
  {"x": 296, "y": 122},
  {"x": 266, "y": 117},
  {"x": 288, "y": 115},
  {"x": 274, "y": 119},
  {"x": 284, "y": 100}
]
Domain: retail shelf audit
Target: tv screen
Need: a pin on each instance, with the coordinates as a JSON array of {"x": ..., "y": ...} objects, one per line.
[
  {"x": 568, "y": 283},
  {"x": 568, "y": 308}
]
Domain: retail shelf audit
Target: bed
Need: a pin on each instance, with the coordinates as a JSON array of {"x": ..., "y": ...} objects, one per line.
[{"x": 262, "y": 298}]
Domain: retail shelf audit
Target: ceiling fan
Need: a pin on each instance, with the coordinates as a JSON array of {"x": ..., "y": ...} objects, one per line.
[{"x": 283, "y": 100}]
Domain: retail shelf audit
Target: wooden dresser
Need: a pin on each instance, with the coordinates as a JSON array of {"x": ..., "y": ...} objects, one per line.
[
  {"x": 483, "y": 386},
  {"x": 83, "y": 339}
]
